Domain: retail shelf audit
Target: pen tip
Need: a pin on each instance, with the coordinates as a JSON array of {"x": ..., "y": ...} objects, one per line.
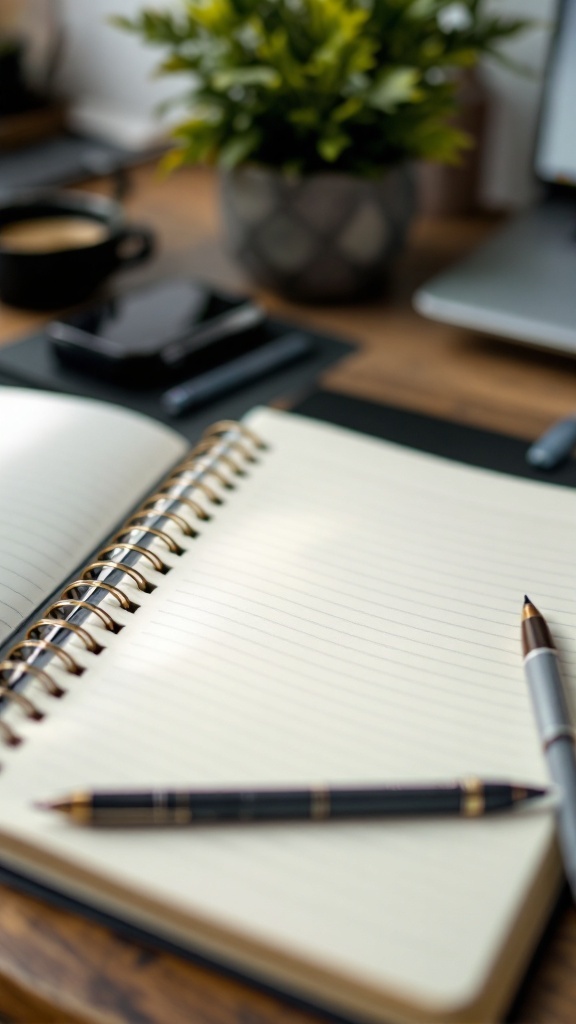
[
  {"x": 520, "y": 793},
  {"x": 529, "y": 609},
  {"x": 53, "y": 805}
]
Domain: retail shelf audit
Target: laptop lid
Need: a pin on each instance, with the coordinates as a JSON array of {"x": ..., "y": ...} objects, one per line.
[
  {"x": 555, "y": 149},
  {"x": 520, "y": 284}
]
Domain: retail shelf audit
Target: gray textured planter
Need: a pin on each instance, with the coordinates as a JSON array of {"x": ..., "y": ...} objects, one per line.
[{"x": 323, "y": 238}]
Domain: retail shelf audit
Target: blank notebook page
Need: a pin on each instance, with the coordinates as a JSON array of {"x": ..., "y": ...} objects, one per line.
[
  {"x": 69, "y": 470},
  {"x": 351, "y": 614}
]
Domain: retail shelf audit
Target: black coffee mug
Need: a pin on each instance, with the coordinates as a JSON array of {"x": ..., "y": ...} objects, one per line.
[{"x": 56, "y": 247}]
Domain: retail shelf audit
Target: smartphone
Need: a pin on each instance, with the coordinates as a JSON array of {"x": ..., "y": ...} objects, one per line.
[{"x": 158, "y": 334}]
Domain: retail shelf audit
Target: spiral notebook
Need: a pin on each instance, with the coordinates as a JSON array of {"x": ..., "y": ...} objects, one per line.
[{"x": 288, "y": 602}]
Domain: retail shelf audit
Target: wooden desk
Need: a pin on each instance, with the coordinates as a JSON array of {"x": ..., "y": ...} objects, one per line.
[{"x": 58, "y": 968}]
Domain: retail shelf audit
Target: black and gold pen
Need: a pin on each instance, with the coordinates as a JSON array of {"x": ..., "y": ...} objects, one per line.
[{"x": 468, "y": 797}]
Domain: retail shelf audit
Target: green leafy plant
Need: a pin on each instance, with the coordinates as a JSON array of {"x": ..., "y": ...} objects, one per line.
[{"x": 306, "y": 85}]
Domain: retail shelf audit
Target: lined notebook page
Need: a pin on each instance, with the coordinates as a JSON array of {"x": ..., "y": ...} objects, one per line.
[
  {"x": 351, "y": 614},
  {"x": 69, "y": 470}
]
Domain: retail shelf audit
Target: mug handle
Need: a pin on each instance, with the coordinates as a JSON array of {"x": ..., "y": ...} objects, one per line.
[{"x": 138, "y": 243}]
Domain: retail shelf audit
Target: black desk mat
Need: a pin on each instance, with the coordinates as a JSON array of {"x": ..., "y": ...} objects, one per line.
[
  {"x": 457, "y": 441},
  {"x": 31, "y": 362}
]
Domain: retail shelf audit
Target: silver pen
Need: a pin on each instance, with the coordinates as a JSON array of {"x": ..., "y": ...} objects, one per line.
[{"x": 554, "y": 725}]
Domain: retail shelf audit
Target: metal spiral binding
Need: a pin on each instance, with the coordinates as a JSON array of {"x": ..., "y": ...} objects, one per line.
[{"x": 218, "y": 456}]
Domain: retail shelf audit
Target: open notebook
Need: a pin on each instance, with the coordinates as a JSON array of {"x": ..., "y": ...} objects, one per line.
[{"x": 348, "y": 613}]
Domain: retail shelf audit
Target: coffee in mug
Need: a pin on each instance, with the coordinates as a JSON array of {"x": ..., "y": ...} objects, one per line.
[
  {"x": 51, "y": 234},
  {"x": 56, "y": 247}
]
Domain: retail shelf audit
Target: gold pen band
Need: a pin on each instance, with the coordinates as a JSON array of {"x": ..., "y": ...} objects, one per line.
[{"x": 473, "y": 802}]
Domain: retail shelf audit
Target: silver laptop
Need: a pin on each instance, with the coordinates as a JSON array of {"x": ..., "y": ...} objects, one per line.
[{"x": 521, "y": 284}]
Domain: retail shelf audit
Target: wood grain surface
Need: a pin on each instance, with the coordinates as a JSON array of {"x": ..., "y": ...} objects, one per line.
[{"x": 56, "y": 967}]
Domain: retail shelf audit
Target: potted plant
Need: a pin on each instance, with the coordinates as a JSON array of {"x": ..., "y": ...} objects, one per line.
[{"x": 315, "y": 110}]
